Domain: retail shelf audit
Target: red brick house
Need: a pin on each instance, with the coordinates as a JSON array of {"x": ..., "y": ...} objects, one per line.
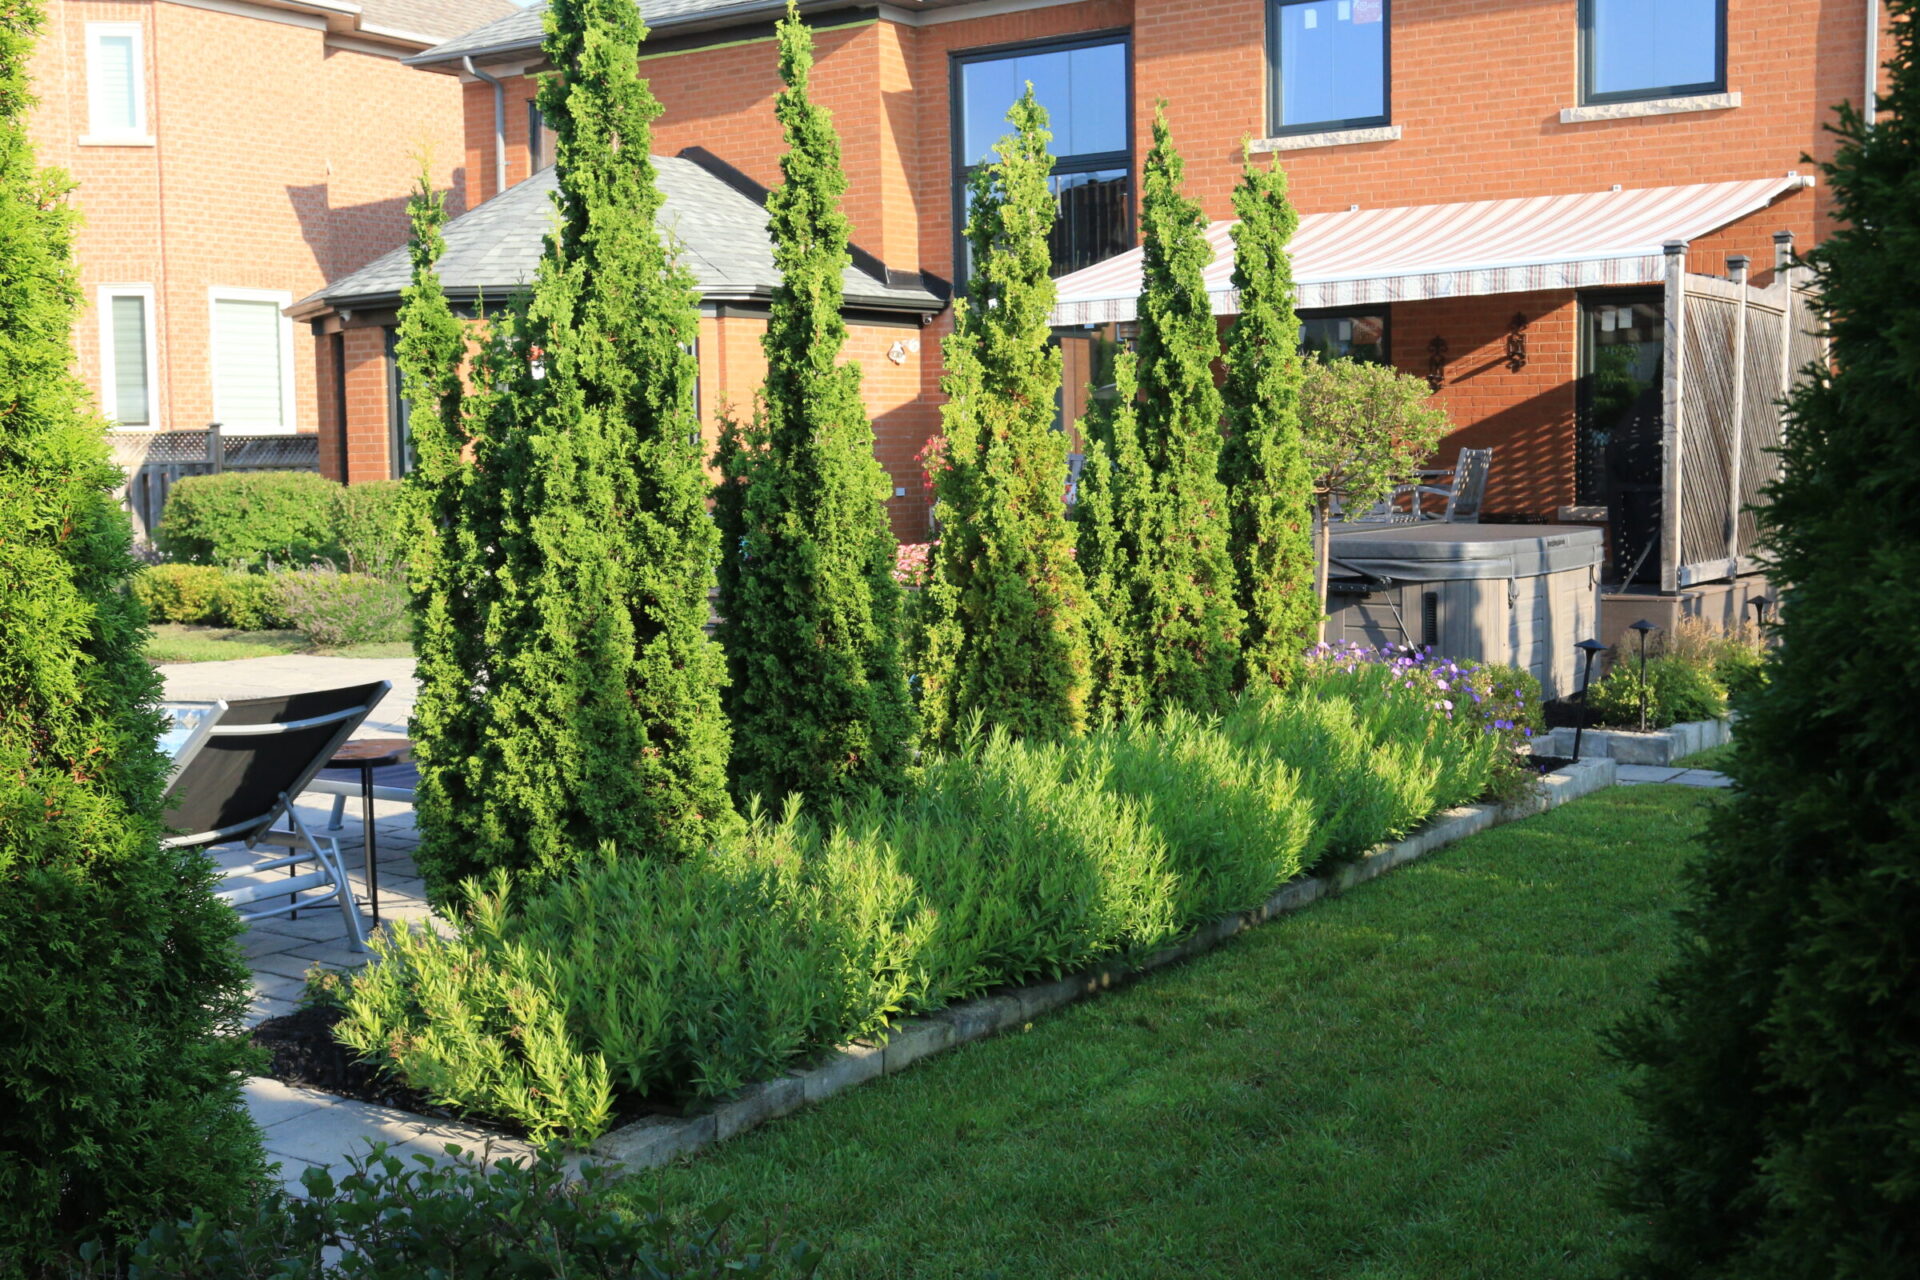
[
  {"x": 1582, "y": 111},
  {"x": 231, "y": 156}
]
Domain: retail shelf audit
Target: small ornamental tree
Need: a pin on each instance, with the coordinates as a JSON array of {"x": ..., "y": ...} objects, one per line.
[
  {"x": 121, "y": 986},
  {"x": 1155, "y": 537},
  {"x": 1264, "y": 460},
  {"x": 1779, "y": 1062},
  {"x": 1366, "y": 429},
  {"x": 1006, "y": 609},
  {"x": 811, "y": 613},
  {"x": 602, "y": 691}
]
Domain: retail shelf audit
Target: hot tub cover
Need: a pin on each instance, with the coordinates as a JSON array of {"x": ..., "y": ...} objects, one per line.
[{"x": 1438, "y": 552}]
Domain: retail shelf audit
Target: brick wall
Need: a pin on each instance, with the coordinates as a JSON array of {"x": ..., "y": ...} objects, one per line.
[{"x": 279, "y": 162}]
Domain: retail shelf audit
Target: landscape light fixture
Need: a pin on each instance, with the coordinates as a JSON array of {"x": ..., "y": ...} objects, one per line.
[
  {"x": 1641, "y": 628},
  {"x": 1593, "y": 649},
  {"x": 1760, "y": 605}
]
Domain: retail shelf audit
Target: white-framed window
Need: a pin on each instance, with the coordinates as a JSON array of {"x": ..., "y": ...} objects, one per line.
[
  {"x": 127, "y": 354},
  {"x": 252, "y": 352},
  {"x": 116, "y": 85}
]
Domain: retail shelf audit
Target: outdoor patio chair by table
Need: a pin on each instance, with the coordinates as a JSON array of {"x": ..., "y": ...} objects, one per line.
[
  {"x": 1461, "y": 495},
  {"x": 249, "y": 768}
]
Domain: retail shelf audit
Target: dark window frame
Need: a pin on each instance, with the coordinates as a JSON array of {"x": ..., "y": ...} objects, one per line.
[
  {"x": 399, "y": 409},
  {"x": 1590, "y": 98},
  {"x": 1590, "y": 484},
  {"x": 1277, "y": 128},
  {"x": 1382, "y": 309},
  {"x": 1092, "y": 162}
]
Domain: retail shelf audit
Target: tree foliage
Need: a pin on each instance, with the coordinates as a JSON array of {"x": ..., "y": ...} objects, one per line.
[
  {"x": 587, "y": 498},
  {"x": 1263, "y": 462},
  {"x": 121, "y": 987},
  {"x": 1153, "y": 510},
  {"x": 1366, "y": 429},
  {"x": 811, "y": 625},
  {"x": 1005, "y": 605},
  {"x": 1780, "y": 1059}
]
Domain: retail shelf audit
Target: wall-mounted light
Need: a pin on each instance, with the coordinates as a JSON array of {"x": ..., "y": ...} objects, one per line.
[
  {"x": 1437, "y": 363},
  {"x": 1517, "y": 342}
]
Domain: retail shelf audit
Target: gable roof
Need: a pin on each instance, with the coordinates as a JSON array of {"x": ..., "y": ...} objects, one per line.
[
  {"x": 436, "y": 19},
  {"x": 493, "y": 251}
]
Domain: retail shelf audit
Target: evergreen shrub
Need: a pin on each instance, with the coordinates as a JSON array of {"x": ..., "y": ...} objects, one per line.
[
  {"x": 121, "y": 986},
  {"x": 1012, "y": 860},
  {"x": 369, "y": 528},
  {"x": 1679, "y": 689},
  {"x": 189, "y": 593},
  {"x": 251, "y": 602},
  {"x": 389, "y": 1218},
  {"x": 250, "y": 518}
]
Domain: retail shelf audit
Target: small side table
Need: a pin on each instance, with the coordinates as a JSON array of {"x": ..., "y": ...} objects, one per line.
[{"x": 366, "y": 755}]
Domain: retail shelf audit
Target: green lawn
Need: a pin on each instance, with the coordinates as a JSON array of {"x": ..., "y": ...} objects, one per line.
[
  {"x": 1712, "y": 758},
  {"x": 1404, "y": 1082},
  {"x": 176, "y": 642}
]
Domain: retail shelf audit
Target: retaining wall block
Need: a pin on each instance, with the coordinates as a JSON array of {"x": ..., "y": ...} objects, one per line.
[
  {"x": 916, "y": 1040},
  {"x": 978, "y": 1019},
  {"x": 650, "y": 1143},
  {"x": 758, "y": 1103},
  {"x": 852, "y": 1064},
  {"x": 1045, "y": 997}
]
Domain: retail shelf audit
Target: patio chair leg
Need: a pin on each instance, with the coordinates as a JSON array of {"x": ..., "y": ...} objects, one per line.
[
  {"x": 338, "y": 819},
  {"x": 349, "y": 910}
]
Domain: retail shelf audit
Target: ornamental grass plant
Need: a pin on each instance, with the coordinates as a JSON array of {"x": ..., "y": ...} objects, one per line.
[{"x": 635, "y": 980}]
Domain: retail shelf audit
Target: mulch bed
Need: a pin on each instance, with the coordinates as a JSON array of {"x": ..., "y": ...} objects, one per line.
[{"x": 302, "y": 1051}]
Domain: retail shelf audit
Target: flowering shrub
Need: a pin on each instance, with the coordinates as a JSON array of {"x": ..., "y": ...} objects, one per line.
[{"x": 912, "y": 561}]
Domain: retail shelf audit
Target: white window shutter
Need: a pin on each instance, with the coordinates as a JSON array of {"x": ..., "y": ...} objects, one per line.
[
  {"x": 113, "y": 86},
  {"x": 247, "y": 387}
]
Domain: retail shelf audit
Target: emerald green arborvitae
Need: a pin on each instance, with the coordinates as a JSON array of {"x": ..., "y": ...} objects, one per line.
[
  {"x": 1263, "y": 463},
  {"x": 121, "y": 985},
  {"x": 1780, "y": 1061},
  {"x": 818, "y": 698},
  {"x": 602, "y": 691},
  {"x": 1154, "y": 521},
  {"x": 1006, "y": 608},
  {"x": 447, "y": 546}
]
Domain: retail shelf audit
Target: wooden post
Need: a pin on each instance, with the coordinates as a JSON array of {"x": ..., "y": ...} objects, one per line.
[
  {"x": 1783, "y": 274},
  {"x": 1737, "y": 272},
  {"x": 216, "y": 451},
  {"x": 1672, "y": 450}
]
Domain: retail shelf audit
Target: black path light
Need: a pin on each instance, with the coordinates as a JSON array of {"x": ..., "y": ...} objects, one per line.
[
  {"x": 1760, "y": 605},
  {"x": 1593, "y": 649},
  {"x": 1641, "y": 628}
]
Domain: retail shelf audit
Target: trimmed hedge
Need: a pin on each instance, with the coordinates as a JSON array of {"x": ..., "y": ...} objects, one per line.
[
  {"x": 1012, "y": 861},
  {"x": 250, "y": 518},
  {"x": 209, "y": 595}
]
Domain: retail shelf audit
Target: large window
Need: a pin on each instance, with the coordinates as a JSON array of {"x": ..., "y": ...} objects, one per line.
[
  {"x": 1329, "y": 64},
  {"x": 126, "y": 354},
  {"x": 1637, "y": 49},
  {"x": 1084, "y": 85},
  {"x": 252, "y": 360},
  {"x": 541, "y": 142},
  {"x": 116, "y": 84}
]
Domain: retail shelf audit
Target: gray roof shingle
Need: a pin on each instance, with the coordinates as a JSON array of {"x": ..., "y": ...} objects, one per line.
[
  {"x": 523, "y": 30},
  {"x": 437, "y": 19},
  {"x": 494, "y": 250}
]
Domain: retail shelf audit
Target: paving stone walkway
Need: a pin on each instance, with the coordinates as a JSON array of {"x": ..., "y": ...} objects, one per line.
[
  {"x": 1641, "y": 774},
  {"x": 303, "y": 1127}
]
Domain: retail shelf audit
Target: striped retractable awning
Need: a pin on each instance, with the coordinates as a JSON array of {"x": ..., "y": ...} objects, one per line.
[{"x": 1361, "y": 257}]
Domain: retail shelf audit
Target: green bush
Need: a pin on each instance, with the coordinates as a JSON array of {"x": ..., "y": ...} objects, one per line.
[
  {"x": 336, "y": 609},
  {"x": 253, "y": 602},
  {"x": 1678, "y": 689},
  {"x": 367, "y": 527},
  {"x": 189, "y": 593},
  {"x": 394, "y": 1219},
  {"x": 250, "y": 518},
  {"x": 1010, "y": 861}
]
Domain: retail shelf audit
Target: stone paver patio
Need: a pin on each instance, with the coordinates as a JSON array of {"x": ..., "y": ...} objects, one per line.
[
  {"x": 1641, "y": 774},
  {"x": 303, "y": 1127}
]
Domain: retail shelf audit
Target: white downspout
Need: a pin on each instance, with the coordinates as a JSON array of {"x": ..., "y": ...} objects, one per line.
[
  {"x": 499, "y": 123},
  {"x": 1872, "y": 99}
]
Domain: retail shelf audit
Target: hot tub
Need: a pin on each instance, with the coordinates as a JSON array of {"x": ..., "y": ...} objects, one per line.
[{"x": 1517, "y": 594}]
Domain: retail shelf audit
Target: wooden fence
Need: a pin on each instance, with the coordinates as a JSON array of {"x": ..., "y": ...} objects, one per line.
[{"x": 154, "y": 461}]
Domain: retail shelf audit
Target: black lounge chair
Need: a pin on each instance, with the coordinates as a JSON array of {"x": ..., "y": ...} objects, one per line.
[{"x": 249, "y": 768}]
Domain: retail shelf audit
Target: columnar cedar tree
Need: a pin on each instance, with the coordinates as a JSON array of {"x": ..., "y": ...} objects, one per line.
[
  {"x": 1155, "y": 533},
  {"x": 447, "y": 553},
  {"x": 1780, "y": 1060},
  {"x": 602, "y": 689},
  {"x": 811, "y": 628},
  {"x": 1263, "y": 462},
  {"x": 1006, "y": 630},
  {"x": 121, "y": 986}
]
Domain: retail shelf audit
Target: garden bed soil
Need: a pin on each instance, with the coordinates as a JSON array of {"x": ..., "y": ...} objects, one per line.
[
  {"x": 1547, "y": 764},
  {"x": 1564, "y": 713},
  {"x": 302, "y": 1051}
]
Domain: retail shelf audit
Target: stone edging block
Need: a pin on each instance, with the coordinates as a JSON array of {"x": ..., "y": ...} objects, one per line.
[
  {"x": 656, "y": 1140},
  {"x": 1663, "y": 747}
]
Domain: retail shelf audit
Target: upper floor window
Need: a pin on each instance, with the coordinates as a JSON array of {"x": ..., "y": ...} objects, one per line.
[
  {"x": 116, "y": 83},
  {"x": 1328, "y": 63},
  {"x": 1084, "y": 85},
  {"x": 541, "y": 141},
  {"x": 126, "y": 353},
  {"x": 1638, "y": 49},
  {"x": 252, "y": 360}
]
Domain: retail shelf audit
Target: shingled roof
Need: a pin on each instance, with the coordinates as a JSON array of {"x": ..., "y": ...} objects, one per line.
[
  {"x": 720, "y": 233},
  {"x": 434, "y": 19}
]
